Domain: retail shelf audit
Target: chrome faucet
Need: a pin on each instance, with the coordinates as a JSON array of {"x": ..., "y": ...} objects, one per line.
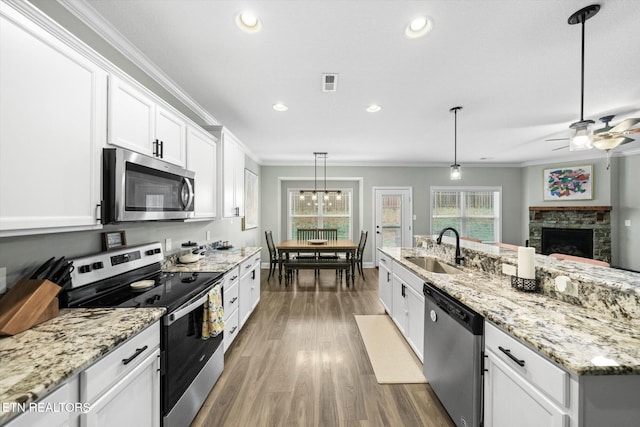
[{"x": 439, "y": 241}]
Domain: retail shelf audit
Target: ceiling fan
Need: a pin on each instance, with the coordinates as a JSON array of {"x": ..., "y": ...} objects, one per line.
[{"x": 609, "y": 137}]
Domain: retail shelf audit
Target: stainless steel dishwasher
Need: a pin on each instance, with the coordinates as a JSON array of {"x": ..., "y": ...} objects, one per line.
[{"x": 453, "y": 355}]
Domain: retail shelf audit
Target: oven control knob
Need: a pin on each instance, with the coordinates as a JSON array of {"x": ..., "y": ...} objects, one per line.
[
  {"x": 149, "y": 252},
  {"x": 156, "y": 251},
  {"x": 97, "y": 265},
  {"x": 85, "y": 268}
]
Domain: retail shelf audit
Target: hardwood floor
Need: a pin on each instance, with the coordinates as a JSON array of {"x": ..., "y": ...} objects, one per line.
[{"x": 300, "y": 361}]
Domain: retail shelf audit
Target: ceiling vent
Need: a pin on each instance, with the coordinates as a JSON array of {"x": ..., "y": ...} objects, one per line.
[{"x": 329, "y": 82}]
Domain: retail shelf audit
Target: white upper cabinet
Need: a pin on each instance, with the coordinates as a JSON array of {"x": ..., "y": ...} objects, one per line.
[
  {"x": 232, "y": 164},
  {"x": 140, "y": 122},
  {"x": 201, "y": 158},
  {"x": 53, "y": 126}
]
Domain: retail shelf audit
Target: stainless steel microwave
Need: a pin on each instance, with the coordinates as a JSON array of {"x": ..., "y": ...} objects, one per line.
[{"x": 136, "y": 187}]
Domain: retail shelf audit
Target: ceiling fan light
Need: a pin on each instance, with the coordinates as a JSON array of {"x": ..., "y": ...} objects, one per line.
[
  {"x": 456, "y": 173},
  {"x": 606, "y": 144},
  {"x": 582, "y": 139}
]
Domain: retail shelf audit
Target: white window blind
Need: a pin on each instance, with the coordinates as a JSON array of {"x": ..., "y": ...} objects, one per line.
[{"x": 331, "y": 210}]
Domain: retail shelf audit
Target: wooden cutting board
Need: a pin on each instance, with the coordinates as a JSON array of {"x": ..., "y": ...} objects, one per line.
[{"x": 28, "y": 303}]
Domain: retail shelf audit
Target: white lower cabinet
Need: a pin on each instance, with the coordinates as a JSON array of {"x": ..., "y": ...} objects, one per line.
[
  {"x": 123, "y": 388},
  {"x": 520, "y": 386},
  {"x": 385, "y": 291},
  {"x": 66, "y": 394},
  {"x": 231, "y": 302},
  {"x": 408, "y": 307},
  {"x": 249, "y": 291}
]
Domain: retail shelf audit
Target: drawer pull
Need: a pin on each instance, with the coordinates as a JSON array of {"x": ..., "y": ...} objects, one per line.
[
  {"x": 136, "y": 354},
  {"x": 511, "y": 356},
  {"x": 233, "y": 330},
  {"x": 234, "y": 278},
  {"x": 234, "y": 299}
]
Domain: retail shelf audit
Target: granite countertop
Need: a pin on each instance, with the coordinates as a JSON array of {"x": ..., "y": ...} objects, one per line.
[
  {"x": 36, "y": 361},
  {"x": 214, "y": 260},
  {"x": 579, "y": 338}
]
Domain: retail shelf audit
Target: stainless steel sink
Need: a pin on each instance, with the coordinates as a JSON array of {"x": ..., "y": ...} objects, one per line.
[{"x": 433, "y": 265}]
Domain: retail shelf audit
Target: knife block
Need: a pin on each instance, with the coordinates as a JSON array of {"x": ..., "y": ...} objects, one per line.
[{"x": 28, "y": 303}]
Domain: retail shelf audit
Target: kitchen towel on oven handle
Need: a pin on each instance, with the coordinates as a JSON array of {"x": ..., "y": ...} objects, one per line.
[{"x": 213, "y": 316}]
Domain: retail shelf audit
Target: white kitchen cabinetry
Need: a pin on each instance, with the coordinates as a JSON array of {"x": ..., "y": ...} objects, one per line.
[
  {"x": 53, "y": 126},
  {"x": 249, "y": 292},
  {"x": 140, "y": 122},
  {"x": 520, "y": 386},
  {"x": 408, "y": 307},
  {"x": 123, "y": 388},
  {"x": 201, "y": 158},
  {"x": 63, "y": 397},
  {"x": 385, "y": 291},
  {"x": 231, "y": 302},
  {"x": 232, "y": 172}
]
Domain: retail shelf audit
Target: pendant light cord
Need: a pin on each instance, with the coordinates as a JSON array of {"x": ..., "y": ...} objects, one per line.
[
  {"x": 455, "y": 136},
  {"x": 582, "y": 75}
]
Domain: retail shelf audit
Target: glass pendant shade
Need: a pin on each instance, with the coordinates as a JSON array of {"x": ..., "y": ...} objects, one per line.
[
  {"x": 455, "y": 172},
  {"x": 582, "y": 139}
]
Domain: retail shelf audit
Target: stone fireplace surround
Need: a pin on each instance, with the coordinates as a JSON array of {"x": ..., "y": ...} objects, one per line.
[{"x": 596, "y": 218}]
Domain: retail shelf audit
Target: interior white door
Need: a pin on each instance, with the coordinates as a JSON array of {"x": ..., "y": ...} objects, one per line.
[{"x": 392, "y": 217}]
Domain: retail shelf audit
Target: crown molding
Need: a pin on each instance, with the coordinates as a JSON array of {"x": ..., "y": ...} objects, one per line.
[{"x": 96, "y": 22}]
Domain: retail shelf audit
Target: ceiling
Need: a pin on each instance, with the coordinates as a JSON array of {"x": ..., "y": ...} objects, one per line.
[{"x": 514, "y": 67}]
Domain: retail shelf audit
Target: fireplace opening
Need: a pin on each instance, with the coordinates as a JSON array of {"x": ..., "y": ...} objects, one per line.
[{"x": 569, "y": 241}]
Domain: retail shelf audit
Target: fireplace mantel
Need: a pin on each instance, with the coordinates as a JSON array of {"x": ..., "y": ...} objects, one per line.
[{"x": 599, "y": 210}]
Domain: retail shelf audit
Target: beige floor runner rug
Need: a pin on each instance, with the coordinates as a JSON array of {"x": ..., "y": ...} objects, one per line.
[{"x": 392, "y": 359}]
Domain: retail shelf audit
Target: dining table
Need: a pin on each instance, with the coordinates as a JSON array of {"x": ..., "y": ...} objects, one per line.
[{"x": 317, "y": 246}]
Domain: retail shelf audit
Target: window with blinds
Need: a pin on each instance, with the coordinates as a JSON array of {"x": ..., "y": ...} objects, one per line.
[
  {"x": 331, "y": 210},
  {"x": 474, "y": 212}
]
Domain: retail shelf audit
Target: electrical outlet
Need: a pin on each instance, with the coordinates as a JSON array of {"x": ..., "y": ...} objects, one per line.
[
  {"x": 167, "y": 245},
  {"x": 3, "y": 280},
  {"x": 508, "y": 269},
  {"x": 208, "y": 235},
  {"x": 627, "y": 223}
]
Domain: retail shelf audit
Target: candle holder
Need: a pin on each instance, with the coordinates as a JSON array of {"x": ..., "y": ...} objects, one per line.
[{"x": 525, "y": 285}]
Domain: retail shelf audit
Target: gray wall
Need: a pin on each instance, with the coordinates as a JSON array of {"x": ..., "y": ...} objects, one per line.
[
  {"x": 419, "y": 178},
  {"x": 612, "y": 187}
]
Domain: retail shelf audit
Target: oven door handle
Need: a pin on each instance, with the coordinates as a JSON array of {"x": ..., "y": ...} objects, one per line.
[{"x": 187, "y": 307}]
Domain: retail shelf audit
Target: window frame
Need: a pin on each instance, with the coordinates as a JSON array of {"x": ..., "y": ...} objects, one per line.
[
  {"x": 497, "y": 207},
  {"x": 319, "y": 215}
]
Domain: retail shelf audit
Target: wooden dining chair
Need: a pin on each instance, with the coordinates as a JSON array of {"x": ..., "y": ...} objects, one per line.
[
  {"x": 307, "y": 234},
  {"x": 360, "y": 251},
  {"x": 580, "y": 259},
  {"x": 273, "y": 254}
]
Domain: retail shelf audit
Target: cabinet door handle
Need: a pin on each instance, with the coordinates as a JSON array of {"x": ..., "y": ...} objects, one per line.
[
  {"x": 233, "y": 300},
  {"x": 388, "y": 276},
  {"x": 403, "y": 292},
  {"x": 233, "y": 330},
  {"x": 136, "y": 354},
  {"x": 234, "y": 278},
  {"x": 156, "y": 148},
  {"x": 511, "y": 356},
  {"x": 253, "y": 275},
  {"x": 161, "y": 149}
]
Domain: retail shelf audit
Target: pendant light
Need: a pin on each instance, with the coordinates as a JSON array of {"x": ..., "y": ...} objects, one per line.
[
  {"x": 314, "y": 193},
  {"x": 455, "y": 167},
  {"x": 582, "y": 139}
]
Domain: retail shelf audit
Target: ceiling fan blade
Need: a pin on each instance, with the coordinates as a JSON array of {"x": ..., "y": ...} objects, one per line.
[
  {"x": 630, "y": 131},
  {"x": 625, "y": 125},
  {"x": 557, "y": 139},
  {"x": 560, "y": 148}
]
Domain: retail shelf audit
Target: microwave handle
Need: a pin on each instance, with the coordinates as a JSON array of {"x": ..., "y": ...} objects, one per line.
[{"x": 189, "y": 197}]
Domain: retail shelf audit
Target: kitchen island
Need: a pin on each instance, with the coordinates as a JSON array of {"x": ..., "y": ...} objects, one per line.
[
  {"x": 592, "y": 336},
  {"x": 37, "y": 361}
]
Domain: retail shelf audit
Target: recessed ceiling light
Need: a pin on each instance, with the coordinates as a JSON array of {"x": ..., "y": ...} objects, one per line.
[
  {"x": 248, "y": 22},
  {"x": 418, "y": 27},
  {"x": 373, "y": 108},
  {"x": 280, "y": 107}
]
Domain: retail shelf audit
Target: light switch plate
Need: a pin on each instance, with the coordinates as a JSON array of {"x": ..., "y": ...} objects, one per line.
[
  {"x": 167, "y": 245},
  {"x": 627, "y": 223},
  {"x": 509, "y": 270},
  {"x": 3, "y": 280},
  {"x": 208, "y": 235}
]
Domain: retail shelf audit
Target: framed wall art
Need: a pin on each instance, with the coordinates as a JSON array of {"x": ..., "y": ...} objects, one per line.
[{"x": 568, "y": 183}]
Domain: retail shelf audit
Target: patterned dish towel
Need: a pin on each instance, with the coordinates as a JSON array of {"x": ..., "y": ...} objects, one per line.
[{"x": 213, "y": 316}]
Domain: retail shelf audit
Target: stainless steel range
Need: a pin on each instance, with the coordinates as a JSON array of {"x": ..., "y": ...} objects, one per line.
[{"x": 132, "y": 277}]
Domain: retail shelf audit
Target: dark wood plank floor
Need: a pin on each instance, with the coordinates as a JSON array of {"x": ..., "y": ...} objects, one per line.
[{"x": 300, "y": 361}]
